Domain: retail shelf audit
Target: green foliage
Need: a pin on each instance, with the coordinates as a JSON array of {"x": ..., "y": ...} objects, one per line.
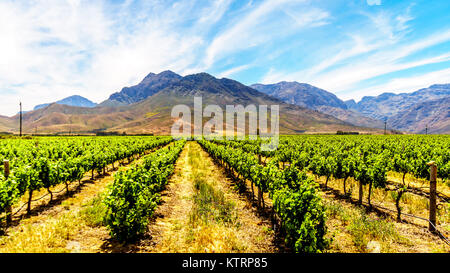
[
  {"x": 45, "y": 162},
  {"x": 129, "y": 204},
  {"x": 294, "y": 194},
  {"x": 9, "y": 191},
  {"x": 367, "y": 159},
  {"x": 303, "y": 216},
  {"x": 133, "y": 196}
]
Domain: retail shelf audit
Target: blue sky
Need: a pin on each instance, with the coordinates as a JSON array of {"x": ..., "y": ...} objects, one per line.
[{"x": 354, "y": 48}]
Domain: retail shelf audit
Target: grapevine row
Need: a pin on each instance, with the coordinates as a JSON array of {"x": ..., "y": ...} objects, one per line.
[
  {"x": 134, "y": 194},
  {"x": 48, "y": 163},
  {"x": 294, "y": 195}
]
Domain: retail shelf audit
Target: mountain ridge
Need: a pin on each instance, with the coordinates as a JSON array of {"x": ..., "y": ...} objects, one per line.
[
  {"x": 408, "y": 111},
  {"x": 301, "y": 94},
  {"x": 388, "y": 104},
  {"x": 150, "y": 85},
  {"x": 153, "y": 114},
  {"x": 312, "y": 97},
  {"x": 145, "y": 107}
]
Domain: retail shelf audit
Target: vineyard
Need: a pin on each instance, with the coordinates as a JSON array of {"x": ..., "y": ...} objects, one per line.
[{"x": 155, "y": 194}]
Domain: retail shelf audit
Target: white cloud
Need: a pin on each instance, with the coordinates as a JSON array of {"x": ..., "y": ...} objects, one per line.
[
  {"x": 347, "y": 77},
  {"x": 54, "y": 49},
  {"x": 233, "y": 70},
  {"x": 403, "y": 84},
  {"x": 43, "y": 47},
  {"x": 212, "y": 14},
  {"x": 381, "y": 63}
]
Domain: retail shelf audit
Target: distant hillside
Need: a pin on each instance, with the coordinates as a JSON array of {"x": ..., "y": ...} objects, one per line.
[
  {"x": 146, "y": 108},
  {"x": 387, "y": 105},
  {"x": 7, "y": 124},
  {"x": 434, "y": 114},
  {"x": 301, "y": 94},
  {"x": 409, "y": 111},
  {"x": 351, "y": 117},
  {"x": 351, "y": 104},
  {"x": 59, "y": 118},
  {"x": 309, "y": 96},
  {"x": 75, "y": 100}
]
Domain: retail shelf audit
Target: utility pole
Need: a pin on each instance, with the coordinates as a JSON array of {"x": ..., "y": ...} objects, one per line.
[
  {"x": 20, "y": 119},
  {"x": 426, "y": 130},
  {"x": 385, "y": 126}
]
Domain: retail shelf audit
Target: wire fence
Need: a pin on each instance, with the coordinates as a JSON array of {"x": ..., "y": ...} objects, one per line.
[{"x": 417, "y": 217}]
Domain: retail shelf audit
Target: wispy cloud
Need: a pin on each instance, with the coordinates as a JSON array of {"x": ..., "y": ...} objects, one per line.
[
  {"x": 381, "y": 63},
  {"x": 233, "y": 70},
  {"x": 378, "y": 48},
  {"x": 266, "y": 22},
  {"x": 404, "y": 84},
  {"x": 53, "y": 49}
]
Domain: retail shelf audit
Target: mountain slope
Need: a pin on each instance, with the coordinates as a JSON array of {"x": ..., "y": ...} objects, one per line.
[
  {"x": 301, "y": 94},
  {"x": 149, "y": 86},
  {"x": 351, "y": 104},
  {"x": 7, "y": 124},
  {"x": 434, "y": 114},
  {"x": 351, "y": 117},
  {"x": 58, "y": 118},
  {"x": 75, "y": 100},
  {"x": 222, "y": 92},
  {"x": 153, "y": 114},
  {"x": 309, "y": 96},
  {"x": 387, "y": 105}
]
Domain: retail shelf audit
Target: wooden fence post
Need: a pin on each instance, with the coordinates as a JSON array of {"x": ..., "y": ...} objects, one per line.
[
  {"x": 259, "y": 197},
  {"x": 433, "y": 178},
  {"x": 8, "y": 208}
]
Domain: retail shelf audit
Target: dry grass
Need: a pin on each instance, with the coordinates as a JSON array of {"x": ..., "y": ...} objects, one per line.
[
  {"x": 422, "y": 184},
  {"x": 410, "y": 203},
  {"x": 355, "y": 229},
  {"x": 202, "y": 213},
  {"x": 60, "y": 229},
  {"x": 71, "y": 225},
  {"x": 364, "y": 230}
]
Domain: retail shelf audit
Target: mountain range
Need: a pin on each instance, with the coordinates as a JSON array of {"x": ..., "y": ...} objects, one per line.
[
  {"x": 309, "y": 96},
  {"x": 410, "y": 112},
  {"x": 146, "y": 107}
]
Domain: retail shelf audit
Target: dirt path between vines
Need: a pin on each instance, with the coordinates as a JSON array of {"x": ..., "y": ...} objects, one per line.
[{"x": 201, "y": 212}]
